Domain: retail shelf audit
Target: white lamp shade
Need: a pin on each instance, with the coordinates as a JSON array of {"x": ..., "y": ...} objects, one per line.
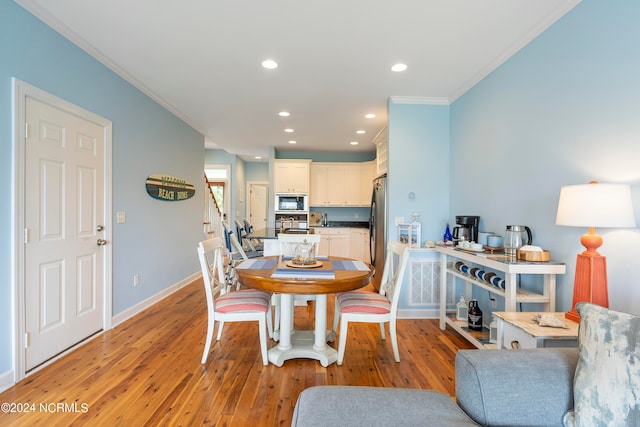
[{"x": 596, "y": 205}]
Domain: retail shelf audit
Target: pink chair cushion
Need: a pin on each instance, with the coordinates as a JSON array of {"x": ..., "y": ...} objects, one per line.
[
  {"x": 363, "y": 302},
  {"x": 243, "y": 300}
]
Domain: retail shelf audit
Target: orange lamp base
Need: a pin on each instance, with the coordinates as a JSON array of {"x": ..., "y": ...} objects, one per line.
[{"x": 590, "y": 284}]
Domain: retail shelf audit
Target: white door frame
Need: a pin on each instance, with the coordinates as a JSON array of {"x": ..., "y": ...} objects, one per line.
[{"x": 20, "y": 91}]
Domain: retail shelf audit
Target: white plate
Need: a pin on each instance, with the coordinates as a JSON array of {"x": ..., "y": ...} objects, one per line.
[{"x": 470, "y": 250}]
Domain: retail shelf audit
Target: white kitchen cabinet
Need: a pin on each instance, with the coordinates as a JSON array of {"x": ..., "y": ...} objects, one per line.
[
  {"x": 291, "y": 176},
  {"x": 334, "y": 242},
  {"x": 359, "y": 244},
  {"x": 352, "y": 185},
  {"x": 367, "y": 173},
  {"x": 319, "y": 192},
  {"x": 327, "y": 184},
  {"x": 339, "y": 184},
  {"x": 382, "y": 152}
]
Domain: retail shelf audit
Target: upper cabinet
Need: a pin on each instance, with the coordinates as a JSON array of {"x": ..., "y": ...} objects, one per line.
[
  {"x": 341, "y": 184},
  {"x": 291, "y": 176},
  {"x": 367, "y": 174},
  {"x": 382, "y": 152}
]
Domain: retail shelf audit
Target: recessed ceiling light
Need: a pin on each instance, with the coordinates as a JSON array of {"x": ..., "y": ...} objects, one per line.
[
  {"x": 257, "y": 157},
  {"x": 288, "y": 130},
  {"x": 398, "y": 68},
  {"x": 354, "y": 143},
  {"x": 292, "y": 142},
  {"x": 369, "y": 116},
  {"x": 269, "y": 64},
  {"x": 284, "y": 114},
  {"x": 360, "y": 131}
]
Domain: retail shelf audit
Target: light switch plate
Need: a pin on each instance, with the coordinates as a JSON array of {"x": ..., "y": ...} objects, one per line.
[{"x": 399, "y": 220}]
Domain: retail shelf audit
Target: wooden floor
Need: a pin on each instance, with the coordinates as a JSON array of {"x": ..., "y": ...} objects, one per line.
[{"x": 147, "y": 371}]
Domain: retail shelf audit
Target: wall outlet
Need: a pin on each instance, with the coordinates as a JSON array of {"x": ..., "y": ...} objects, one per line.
[
  {"x": 122, "y": 217},
  {"x": 136, "y": 280}
]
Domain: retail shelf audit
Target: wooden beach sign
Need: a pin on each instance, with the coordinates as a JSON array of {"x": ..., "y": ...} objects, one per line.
[{"x": 169, "y": 188}]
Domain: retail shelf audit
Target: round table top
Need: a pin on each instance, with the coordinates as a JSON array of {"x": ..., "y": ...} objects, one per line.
[{"x": 345, "y": 280}]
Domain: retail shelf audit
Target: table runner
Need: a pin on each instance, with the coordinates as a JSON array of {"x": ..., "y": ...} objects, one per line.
[
  {"x": 258, "y": 264},
  {"x": 349, "y": 265}
]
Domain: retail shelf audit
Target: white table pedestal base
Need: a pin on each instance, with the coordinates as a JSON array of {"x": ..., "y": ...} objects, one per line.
[
  {"x": 302, "y": 347},
  {"x": 303, "y": 344}
]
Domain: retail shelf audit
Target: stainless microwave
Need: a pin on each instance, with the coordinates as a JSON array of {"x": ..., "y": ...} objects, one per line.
[{"x": 291, "y": 203}]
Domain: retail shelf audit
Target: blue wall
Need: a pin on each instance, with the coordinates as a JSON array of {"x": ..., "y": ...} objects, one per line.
[
  {"x": 419, "y": 164},
  {"x": 564, "y": 110},
  {"x": 159, "y": 239}
]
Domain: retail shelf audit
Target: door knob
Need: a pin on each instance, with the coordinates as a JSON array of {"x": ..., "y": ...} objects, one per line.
[
  {"x": 100, "y": 228},
  {"x": 101, "y": 242}
]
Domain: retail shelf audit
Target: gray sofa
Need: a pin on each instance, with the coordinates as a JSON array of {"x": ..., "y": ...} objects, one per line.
[
  {"x": 595, "y": 384},
  {"x": 493, "y": 388}
]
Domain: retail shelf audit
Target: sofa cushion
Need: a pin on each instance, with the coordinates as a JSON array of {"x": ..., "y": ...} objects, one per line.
[
  {"x": 333, "y": 406},
  {"x": 607, "y": 382},
  {"x": 516, "y": 387}
]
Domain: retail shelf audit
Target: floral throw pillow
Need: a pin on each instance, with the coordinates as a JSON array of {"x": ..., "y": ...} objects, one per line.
[{"x": 606, "y": 387}]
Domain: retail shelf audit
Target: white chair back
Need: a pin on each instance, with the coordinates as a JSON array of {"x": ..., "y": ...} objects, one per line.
[
  {"x": 395, "y": 266},
  {"x": 210, "y": 256},
  {"x": 288, "y": 242}
]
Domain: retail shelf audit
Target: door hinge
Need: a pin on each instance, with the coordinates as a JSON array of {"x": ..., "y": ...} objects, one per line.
[
  {"x": 26, "y": 130},
  {"x": 27, "y": 343},
  {"x": 26, "y": 235}
]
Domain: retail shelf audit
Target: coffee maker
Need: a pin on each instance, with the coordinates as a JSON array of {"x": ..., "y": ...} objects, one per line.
[{"x": 466, "y": 228}]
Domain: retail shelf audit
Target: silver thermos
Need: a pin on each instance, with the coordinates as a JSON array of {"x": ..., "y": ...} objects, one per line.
[{"x": 325, "y": 222}]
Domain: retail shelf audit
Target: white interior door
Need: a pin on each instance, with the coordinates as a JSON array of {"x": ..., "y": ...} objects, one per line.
[
  {"x": 258, "y": 204},
  {"x": 64, "y": 229}
]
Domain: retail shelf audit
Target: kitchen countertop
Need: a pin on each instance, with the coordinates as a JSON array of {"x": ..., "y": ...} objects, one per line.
[{"x": 345, "y": 224}]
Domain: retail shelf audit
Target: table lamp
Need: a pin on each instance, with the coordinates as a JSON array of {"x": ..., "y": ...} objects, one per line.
[{"x": 593, "y": 205}]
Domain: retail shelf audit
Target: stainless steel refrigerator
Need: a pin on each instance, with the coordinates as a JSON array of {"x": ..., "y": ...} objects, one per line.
[{"x": 378, "y": 228}]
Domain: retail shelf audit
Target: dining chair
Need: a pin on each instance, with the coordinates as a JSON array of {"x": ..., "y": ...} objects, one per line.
[
  {"x": 241, "y": 234},
  {"x": 236, "y": 254},
  {"x": 374, "y": 307},
  {"x": 224, "y": 306},
  {"x": 255, "y": 244}
]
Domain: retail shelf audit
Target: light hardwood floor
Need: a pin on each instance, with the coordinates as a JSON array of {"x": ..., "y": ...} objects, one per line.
[{"x": 147, "y": 371}]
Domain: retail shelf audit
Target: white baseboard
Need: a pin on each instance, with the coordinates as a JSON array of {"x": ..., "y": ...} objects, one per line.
[
  {"x": 419, "y": 313},
  {"x": 6, "y": 380},
  {"x": 143, "y": 305}
]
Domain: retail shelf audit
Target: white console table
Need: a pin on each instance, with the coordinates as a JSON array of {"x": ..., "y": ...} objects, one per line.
[{"x": 511, "y": 293}]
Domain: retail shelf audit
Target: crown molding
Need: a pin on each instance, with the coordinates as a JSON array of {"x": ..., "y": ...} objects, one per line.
[{"x": 425, "y": 100}]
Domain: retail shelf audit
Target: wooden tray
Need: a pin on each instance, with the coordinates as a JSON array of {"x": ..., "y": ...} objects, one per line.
[
  {"x": 532, "y": 256},
  {"x": 294, "y": 265},
  {"x": 492, "y": 250}
]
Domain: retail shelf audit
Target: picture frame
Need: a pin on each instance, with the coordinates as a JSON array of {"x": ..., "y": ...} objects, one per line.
[
  {"x": 415, "y": 234},
  {"x": 404, "y": 231}
]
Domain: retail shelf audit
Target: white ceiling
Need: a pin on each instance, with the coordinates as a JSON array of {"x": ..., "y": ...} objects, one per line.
[{"x": 201, "y": 59}]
